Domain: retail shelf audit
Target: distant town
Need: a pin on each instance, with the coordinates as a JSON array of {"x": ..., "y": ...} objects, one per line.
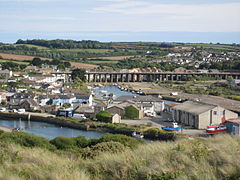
[{"x": 183, "y": 88}]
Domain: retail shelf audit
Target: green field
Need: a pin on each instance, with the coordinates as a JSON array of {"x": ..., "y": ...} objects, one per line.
[{"x": 17, "y": 62}]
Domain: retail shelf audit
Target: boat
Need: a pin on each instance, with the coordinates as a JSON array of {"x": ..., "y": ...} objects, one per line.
[
  {"x": 216, "y": 129},
  {"x": 103, "y": 92},
  {"x": 174, "y": 127},
  {"x": 137, "y": 135}
]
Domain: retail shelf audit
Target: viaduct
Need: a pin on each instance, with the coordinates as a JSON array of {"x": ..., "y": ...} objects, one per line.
[
  {"x": 113, "y": 76},
  {"x": 153, "y": 76}
]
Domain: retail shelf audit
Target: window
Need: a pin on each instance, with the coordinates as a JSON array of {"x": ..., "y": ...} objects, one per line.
[{"x": 215, "y": 112}]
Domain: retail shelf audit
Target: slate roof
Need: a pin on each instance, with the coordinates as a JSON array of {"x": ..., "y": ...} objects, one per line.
[
  {"x": 139, "y": 98},
  {"x": 195, "y": 107}
]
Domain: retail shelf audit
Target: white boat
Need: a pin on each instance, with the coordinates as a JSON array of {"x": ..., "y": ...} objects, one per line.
[
  {"x": 103, "y": 91},
  {"x": 137, "y": 135}
]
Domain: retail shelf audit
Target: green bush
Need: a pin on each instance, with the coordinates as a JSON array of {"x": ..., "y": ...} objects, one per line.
[
  {"x": 81, "y": 142},
  {"x": 131, "y": 112},
  {"x": 63, "y": 143},
  {"x": 103, "y": 116},
  {"x": 104, "y": 147},
  {"x": 123, "y": 139},
  {"x": 24, "y": 139},
  {"x": 157, "y": 134}
]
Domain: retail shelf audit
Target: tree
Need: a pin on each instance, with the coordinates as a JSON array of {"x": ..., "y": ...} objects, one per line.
[
  {"x": 79, "y": 73},
  {"x": 37, "y": 61},
  {"x": 66, "y": 105},
  {"x": 103, "y": 116},
  {"x": 131, "y": 112},
  {"x": 67, "y": 64},
  {"x": 61, "y": 67}
]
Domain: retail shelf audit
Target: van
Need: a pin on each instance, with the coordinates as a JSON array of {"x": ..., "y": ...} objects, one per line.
[
  {"x": 21, "y": 110},
  {"x": 3, "y": 109},
  {"x": 79, "y": 116}
]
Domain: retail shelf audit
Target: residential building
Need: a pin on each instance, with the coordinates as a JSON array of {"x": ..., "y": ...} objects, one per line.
[
  {"x": 199, "y": 115},
  {"x": 144, "y": 102},
  {"x": 233, "y": 126}
]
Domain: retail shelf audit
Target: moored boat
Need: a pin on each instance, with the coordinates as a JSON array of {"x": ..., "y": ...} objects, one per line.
[
  {"x": 216, "y": 129},
  {"x": 137, "y": 135},
  {"x": 174, "y": 127}
]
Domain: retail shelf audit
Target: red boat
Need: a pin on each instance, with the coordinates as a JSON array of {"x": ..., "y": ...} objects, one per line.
[{"x": 216, "y": 129}]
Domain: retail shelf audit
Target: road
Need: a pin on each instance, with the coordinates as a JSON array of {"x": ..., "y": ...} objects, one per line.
[
  {"x": 162, "y": 121},
  {"x": 5, "y": 129}
]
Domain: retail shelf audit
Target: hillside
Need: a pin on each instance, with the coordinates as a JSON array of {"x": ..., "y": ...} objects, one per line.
[{"x": 211, "y": 158}]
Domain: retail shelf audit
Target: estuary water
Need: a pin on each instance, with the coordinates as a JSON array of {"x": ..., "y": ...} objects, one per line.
[{"x": 48, "y": 130}]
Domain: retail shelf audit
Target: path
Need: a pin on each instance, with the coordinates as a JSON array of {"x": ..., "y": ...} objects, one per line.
[{"x": 5, "y": 129}]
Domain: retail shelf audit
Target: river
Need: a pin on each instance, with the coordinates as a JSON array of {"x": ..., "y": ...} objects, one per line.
[
  {"x": 48, "y": 130},
  {"x": 112, "y": 90}
]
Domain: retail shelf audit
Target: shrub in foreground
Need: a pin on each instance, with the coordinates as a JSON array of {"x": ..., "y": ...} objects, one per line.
[
  {"x": 104, "y": 147},
  {"x": 25, "y": 139},
  {"x": 157, "y": 134}
]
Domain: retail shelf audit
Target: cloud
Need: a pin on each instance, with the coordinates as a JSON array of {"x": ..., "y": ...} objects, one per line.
[{"x": 32, "y": 1}]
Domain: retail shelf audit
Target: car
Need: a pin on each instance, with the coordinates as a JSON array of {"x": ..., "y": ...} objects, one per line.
[
  {"x": 79, "y": 116},
  {"x": 21, "y": 111},
  {"x": 3, "y": 109}
]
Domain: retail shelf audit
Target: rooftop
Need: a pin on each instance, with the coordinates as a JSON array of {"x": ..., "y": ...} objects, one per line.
[
  {"x": 138, "y": 98},
  {"x": 195, "y": 107},
  {"x": 234, "y": 120}
]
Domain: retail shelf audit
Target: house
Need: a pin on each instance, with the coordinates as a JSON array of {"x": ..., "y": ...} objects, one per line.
[
  {"x": 116, "y": 118},
  {"x": 6, "y": 73},
  {"x": 27, "y": 104},
  {"x": 62, "y": 99},
  {"x": 20, "y": 96},
  {"x": 149, "y": 103},
  {"x": 120, "y": 109},
  {"x": 233, "y": 126},
  {"x": 31, "y": 68},
  {"x": 199, "y": 115},
  {"x": 84, "y": 99},
  {"x": 99, "y": 106},
  {"x": 115, "y": 109},
  {"x": 3, "y": 96}
]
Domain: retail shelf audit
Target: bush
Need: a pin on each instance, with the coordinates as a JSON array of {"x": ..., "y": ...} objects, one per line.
[
  {"x": 131, "y": 112},
  {"x": 104, "y": 147},
  {"x": 81, "y": 142},
  {"x": 63, "y": 143},
  {"x": 123, "y": 139},
  {"x": 103, "y": 116},
  {"x": 157, "y": 134},
  {"x": 24, "y": 139}
]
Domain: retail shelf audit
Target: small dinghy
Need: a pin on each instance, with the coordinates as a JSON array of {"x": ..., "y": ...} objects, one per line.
[{"x": 174, "y": 127}]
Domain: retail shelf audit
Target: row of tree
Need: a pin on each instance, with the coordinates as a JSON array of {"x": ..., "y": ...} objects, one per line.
[
  {"x": 66, "y": 44},
  {"x": 61, "y": 64}
]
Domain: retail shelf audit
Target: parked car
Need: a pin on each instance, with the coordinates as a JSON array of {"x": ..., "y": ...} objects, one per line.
[
  {"x": 79, "y": 116},
  {"x": 3, "y": 109},
  {"x": 21, "y": 110}
]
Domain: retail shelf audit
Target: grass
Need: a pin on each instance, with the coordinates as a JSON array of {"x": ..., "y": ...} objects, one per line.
[
  {"x": 213, "y": 158},
  {"x": 30, "y": 46},
  {"x": 85, "y": 50},
  {"x": 17, "y": 62}
]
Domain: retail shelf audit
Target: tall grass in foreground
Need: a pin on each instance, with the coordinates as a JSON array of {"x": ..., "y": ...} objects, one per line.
[{"x": 211, "y": 158}]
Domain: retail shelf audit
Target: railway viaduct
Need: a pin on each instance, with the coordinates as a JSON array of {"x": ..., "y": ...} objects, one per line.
[{"x": 153, "y": 76}]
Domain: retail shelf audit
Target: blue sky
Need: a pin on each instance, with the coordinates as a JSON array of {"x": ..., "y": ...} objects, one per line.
[{"x": 121, "y": 20}]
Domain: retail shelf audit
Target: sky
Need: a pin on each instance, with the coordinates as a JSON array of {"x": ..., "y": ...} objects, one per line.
[{"x": 201, "y": 21}]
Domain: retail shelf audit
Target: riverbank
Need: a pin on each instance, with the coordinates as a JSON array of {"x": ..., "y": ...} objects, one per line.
[
  {"x": 5, "y": 129},
  {"x": 89, "y": 125}
]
